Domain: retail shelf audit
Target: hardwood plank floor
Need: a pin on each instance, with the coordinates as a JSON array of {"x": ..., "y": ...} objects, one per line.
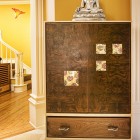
[{"x": 14, "y": 113}]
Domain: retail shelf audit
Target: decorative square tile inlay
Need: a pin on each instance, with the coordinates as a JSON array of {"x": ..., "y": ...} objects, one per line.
[
  {"x": 100, "y": 65},
  {"x": 71, "y": 78},
  {"x": 100, "y": 48},
  {"x": 116, "y": 48}
]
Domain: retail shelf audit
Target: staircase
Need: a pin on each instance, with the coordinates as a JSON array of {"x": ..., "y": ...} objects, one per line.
[{"x": 20, "y": 72}]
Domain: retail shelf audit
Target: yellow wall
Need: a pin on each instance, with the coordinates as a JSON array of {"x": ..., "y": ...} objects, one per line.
[
  {"x": 16, "y": 32},
  {"x": 114, "y": 9}
]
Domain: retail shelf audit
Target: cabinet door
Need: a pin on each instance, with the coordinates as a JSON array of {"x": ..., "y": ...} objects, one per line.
[
  {"x": 67, "y": 48},
  {"x": 109, "y": 72},
  {"x": 88, "y": 67}
]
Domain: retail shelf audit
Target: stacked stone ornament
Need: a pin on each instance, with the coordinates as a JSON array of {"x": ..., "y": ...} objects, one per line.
[{"x": 89, "y": 11}]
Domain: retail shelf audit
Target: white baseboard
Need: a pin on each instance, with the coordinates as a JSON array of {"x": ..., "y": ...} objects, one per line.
[
  {"x": 37, "y": 113},
  {"x": 20, "y": 88},
  {"x": 40, "y": 127}
]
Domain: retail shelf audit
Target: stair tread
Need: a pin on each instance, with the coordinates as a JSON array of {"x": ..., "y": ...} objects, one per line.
[
  {"x": 27, "y": 74},
  {"x": 28, "y": 82},
  {"x": 27, "y": 77}
]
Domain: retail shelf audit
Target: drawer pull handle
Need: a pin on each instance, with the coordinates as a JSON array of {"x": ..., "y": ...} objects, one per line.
[
  {"x": 113, "y": 128},
  {"x": 64, "y": 128}
]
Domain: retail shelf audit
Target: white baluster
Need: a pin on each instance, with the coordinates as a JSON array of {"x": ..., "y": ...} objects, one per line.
[
  {"x": 6, "y": 55},
  {"x": 11, "y": 64},
  {"x": 1, "y": 50},
  {"x": 21, "y": 69},
  {"x": 17, "y": 69},
  {"x": 0, "y": 44},
  {"x": 0, "y": 35}
]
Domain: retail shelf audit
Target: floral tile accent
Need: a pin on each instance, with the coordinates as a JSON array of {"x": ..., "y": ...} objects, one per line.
[
  {"x": 100, "y": 48},
  {"x": 100, "y": 65},
  {"x": 71, "y": 78},
  {"x": 116, "y": 48}
]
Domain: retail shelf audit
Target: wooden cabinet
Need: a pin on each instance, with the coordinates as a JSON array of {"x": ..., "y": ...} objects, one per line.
[
  {"x": 89, "y": 73},
  {"x": 5, "y": 77}
]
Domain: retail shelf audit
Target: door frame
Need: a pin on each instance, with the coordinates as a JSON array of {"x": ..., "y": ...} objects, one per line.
[{"x": 37, "y": 99}]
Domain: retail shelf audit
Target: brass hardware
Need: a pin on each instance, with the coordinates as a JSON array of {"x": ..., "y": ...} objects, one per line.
[
  {"x": 64, "y": 128},
  {"x": 113, "y": 128}
]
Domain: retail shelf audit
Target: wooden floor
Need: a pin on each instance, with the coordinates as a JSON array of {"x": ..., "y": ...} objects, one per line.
[{"x": 14, "y": 114}]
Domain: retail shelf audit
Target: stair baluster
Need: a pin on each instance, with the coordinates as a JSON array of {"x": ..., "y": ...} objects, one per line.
[{"x": 7, "y": 53}]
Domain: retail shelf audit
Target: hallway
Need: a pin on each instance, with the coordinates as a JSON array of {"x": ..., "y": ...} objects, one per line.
[{"x": 14, "y": 114}]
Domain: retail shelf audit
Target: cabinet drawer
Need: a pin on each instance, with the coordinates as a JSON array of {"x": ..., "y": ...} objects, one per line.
[{"x": 66, "y": 127}]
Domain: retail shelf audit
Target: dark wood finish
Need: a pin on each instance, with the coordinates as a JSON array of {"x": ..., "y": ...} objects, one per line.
[
  {"x": 5, "y": 77},
  {"x": 65, "y": 51},
  {"x": 88, "y": 127},
  {"x": 72, "y": 47},
  {"x": 109, "y": 92}
]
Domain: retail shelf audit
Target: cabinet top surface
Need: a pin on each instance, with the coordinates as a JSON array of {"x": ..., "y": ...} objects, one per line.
[{"x": 87, "y": 21}]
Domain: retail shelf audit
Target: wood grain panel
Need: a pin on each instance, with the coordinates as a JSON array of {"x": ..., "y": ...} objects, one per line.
[
  {"x": 66, "y": 52},
  {"x": 109, "y": 91},
  {"x": 88, "y": 127},
  {"x": 72, "y": 47}
]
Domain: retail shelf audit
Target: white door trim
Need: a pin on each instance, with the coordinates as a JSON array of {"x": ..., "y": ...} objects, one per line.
[{"x": 50, "y": 7}]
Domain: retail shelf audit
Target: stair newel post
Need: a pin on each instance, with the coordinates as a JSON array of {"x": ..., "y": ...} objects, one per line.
[{"x": 19, "y": 83}]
